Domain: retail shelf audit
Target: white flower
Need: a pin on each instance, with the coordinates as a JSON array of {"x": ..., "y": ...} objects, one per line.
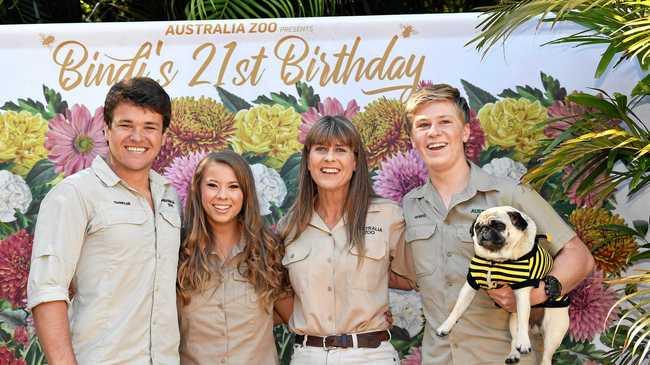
[
  {"x": 505, "y": 167},
  {"x": 406, "y": 308},
  {"x": 270, "y": 187},
  {"x": 14, "y": 194}
]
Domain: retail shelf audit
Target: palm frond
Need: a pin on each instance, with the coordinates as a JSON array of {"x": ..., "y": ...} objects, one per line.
[
  {"x": 238, "y": 9},
  {"x": 623, "y": 25}
]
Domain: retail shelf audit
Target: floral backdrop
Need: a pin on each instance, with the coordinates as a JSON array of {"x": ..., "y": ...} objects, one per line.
[{"x": 44, "y": 138}]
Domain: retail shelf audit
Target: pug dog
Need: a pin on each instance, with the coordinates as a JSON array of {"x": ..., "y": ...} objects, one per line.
[{"x": 506, "y": 253}]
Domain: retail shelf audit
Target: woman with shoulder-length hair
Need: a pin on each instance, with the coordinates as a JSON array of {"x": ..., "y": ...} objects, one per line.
[
  {"x": 230, "y": 274},
  {"x": 341, "y": 243}
]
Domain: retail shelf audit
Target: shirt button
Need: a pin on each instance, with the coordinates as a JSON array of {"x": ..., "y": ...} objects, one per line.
[
  {"x": 329, "y": 288},
  {"x": 329, "y": 260},
  {"x": 329, "y": 318},
  {"x": 290, "y": 256},
  {"x": 450, "y": 284},
  {"x": 220, "y": 306},
  {"x": 449, "y": 254}
]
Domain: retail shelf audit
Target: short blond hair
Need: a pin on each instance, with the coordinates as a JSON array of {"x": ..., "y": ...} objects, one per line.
[{"x": 435, "y": 92}]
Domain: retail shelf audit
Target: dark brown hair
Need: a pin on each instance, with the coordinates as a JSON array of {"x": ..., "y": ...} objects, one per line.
[{"x": 140, "y": 91}]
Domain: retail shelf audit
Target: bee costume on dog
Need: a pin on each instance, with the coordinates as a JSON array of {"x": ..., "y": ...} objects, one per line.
[{"x": 528, "y": 270}]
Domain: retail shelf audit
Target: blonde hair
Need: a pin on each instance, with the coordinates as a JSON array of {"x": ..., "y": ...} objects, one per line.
[
  {"x": 261, "y": 260},
  {"x": 433, "y": 93}
]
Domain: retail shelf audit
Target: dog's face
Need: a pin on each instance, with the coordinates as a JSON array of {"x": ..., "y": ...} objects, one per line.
[{"x": 503, "y": 233}]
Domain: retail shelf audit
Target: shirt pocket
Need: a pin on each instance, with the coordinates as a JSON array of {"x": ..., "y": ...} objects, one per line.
[
  {"x": 368, "y": 274},
  {"x": 125, "y": 236},
  {"x": 244, "y": 291},
  {"x": 169, "y": 233},
  {"x": 466, "y": 246},
  {"x": 426, "y": 259},
  {"x": 296, "y": 261}
]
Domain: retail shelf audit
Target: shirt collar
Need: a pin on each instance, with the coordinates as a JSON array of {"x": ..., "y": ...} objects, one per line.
[{"x": 106, "y": 174}]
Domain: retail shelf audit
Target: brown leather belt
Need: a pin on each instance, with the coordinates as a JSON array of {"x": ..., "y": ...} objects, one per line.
[{"x": 366, "y": 340}]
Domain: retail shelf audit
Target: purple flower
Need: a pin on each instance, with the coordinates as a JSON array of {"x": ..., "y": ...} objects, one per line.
[
  {"x": 21, "y": 335},
  {"x": 476, "y": 140},
  {"x": 75, "y": 138},
  {"x": 590, "y": 303},
  {"x": 414, "y": 357},
  {"x": 424, "y": 84},
  {"x": 15, "y": 254},
  {"x": 400, "y": 174},
  {"x": 180, "y": 172},
  {"x": 331, "y": 107}
]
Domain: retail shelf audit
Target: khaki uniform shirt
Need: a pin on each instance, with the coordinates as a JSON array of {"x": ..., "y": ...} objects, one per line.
[
  {"x": 441, "y": 246},
  {"x": 96, "y": 234},
  {"x": 332, "y": 294},
  {"x": 225, "y": 323}
]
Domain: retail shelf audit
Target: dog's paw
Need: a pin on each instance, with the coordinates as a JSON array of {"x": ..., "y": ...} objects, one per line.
[
  {"x": 524, "y": 349},
  {"x": 441, "y": 333},
  {"x": 512, "y": 358}
]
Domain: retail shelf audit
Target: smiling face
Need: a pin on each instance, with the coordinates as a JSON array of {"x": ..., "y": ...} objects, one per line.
[
  {"x": 134, "y": 139},
  {"x": 438, "y": 133},
  {"x": 221, "y": 194},
  {"x": 331, "y": 166}
]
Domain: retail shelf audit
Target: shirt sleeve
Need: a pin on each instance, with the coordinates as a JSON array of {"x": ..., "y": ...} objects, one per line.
[
  {"x": 58, "y": 239},
  {"x": 548, "y": 222},
  {"x": 401, "y": 257}
]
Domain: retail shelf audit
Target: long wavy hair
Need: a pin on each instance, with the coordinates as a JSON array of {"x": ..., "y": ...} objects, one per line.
[
  {"x": 326, "y": 131},
  {"x": 261, "y": 260}
]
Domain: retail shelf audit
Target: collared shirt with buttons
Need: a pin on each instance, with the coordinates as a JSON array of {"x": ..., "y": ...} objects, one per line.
[
  {"x": 225, "y": 323},
  {"x": 99, "y": 236},
  {"x": 334, "y": 293},
  {"x": 441, "y": 247}
]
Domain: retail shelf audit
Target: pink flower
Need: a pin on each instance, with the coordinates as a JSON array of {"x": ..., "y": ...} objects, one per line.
[
  {"x": 8, "y": 357},
  {"x": 21, "y": 336},
  {"x": 75, "y": 138},
  {"x": 331, "y": 107},
  {"x": 15, "y": 254},
  {"x": 414, "y": 357},
  {"x": 400, "y": 174},
  {"x": 567, "y": 113},
  {"x": 180, "y": 172},
  {"x": 586, "y": 199},
  {"x": 424, "y": 84},
  {"x": 476, "y": 141},
  {"x": 590, "y": 303}
]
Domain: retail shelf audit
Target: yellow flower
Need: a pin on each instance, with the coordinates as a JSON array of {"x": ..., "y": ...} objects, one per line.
[
  {"x": 270, "y": 130},
  {"x": 514, "y": 123},
  {"x": 22, "y": 136}
]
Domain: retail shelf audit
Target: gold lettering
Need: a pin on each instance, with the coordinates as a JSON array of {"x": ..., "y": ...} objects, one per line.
[
  {"x": 69, "y": 76},
  {"x": 211, "y": 51},
  {"x": 290, "y": 60},
  {"x": 166, "y": 69}
]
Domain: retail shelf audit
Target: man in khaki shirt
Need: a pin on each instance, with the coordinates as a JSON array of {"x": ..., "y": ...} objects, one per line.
[
  {"x": 224, "y": 323},
  {"x": 110, "y": 234},
  {"x": 438, "y": 218}
]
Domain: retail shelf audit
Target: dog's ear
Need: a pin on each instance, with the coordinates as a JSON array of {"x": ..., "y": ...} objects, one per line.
[
  {"x": 471, "y": 227},
  {"x": 517, "y": 220}
]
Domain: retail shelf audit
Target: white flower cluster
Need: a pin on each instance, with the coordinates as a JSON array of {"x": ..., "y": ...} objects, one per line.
[
  {"x": 406, "y": 307},
  {"x": 14, "y": 194},
  {"x": 270, "y": 187},
  {"x": 505, "y": 167}
]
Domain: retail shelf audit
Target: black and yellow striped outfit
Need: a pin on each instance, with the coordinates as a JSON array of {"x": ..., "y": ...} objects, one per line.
[{"x": 528, "y": 270}]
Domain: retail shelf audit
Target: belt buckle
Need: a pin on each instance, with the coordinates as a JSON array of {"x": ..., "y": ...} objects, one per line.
[{"x": 325, "y": 347}]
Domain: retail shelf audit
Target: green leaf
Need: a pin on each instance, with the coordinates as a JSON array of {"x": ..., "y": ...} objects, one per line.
[
  {"x": 605, "y": 60},
  {"x": 306, "y": 94},
  {"x": 476, "y": 96},
  {"x": 595, "y": 102},
  {"x": 289, "y": 173},
  {"x": 231, "y": 101},
  {"x": 6, "y": 230},
  {"x": 41, "y": 173},
  {"x": 553, "y": 90},
  {"x": 28, "y": 105},
  {"x": 645, "y": 255},
  {"x": 642, "y": 87},
  {"x": 55, "y": 103},
  {"x": 7, "y": 165},
  {"x": 493, "y": 152},
  {"x": 283, "y": 99},
  {"x": 641, "y": 226},
  {"x": 559, "y": 139},
  {"x": 252, "y": 158}
]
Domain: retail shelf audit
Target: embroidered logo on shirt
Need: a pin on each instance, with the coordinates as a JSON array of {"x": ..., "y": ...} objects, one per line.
[
  {"x": 477, "y": 211},
  {"x": 121, "y": 202},
  {"x": 420, "y": 216},
  {"x": 170, "y": 203},
  {"x": 372, "y": 229}
]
